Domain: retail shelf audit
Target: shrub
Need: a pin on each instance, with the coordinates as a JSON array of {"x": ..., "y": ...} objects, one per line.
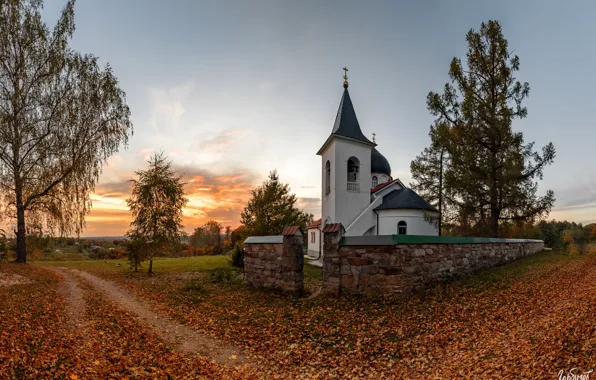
[
  {"x": 238, "y": 256},
  {"x": 136, "y": 250},
  {"x": 223, "y": 275},
  {"x": 194, "y": 285}
]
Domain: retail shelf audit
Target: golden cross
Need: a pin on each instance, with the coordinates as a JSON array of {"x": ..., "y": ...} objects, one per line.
[{"x": 345, "y": 73}]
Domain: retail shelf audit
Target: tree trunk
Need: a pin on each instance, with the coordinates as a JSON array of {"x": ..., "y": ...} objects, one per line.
[
  {"x": 494, "y": 199},
  {"x": 21, "y": 246},
  {"x": 150, "y": 266},
  {"x": 441, "y": 193},
  {"x": 136, "y": 265}
]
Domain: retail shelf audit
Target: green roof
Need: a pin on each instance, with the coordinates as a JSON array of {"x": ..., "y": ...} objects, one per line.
[{"x": 422, "y": 239}]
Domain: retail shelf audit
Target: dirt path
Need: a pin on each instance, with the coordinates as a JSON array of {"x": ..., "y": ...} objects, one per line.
[
  {"x": 184, "y": 338},
  {"x": 76, "y": 302}
]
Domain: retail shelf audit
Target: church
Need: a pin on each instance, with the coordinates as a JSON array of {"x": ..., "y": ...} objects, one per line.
[{"x": 358, "y": 190}]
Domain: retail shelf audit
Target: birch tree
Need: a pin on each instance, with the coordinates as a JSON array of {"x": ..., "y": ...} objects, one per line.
[{"x": 61, "y": 117}]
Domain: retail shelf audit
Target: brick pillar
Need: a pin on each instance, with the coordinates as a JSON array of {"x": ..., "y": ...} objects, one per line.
[
  {"x": 332, "y": 234},
  {"x": 292, "y": 260}
]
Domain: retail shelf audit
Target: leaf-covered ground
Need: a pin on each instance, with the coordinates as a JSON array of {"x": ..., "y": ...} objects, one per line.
[
  {"x": 531, "y": 318},
  {"x": 38, "y": 341}
]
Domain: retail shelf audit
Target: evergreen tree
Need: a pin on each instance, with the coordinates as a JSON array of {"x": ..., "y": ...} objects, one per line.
[
  {"x": 271, "y": 208},
  {"x": 492, "y": 172},
  {"x": 428, "y": 172},
  {"x": 156, "y": 205}
]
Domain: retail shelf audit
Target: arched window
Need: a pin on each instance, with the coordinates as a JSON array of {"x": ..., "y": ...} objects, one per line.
[
  {"x": 402, "y": 228},
  {"x": 375, "y": 181},
  {"x": 353, "y": 168},
  {"x": 327, "y": 178}
]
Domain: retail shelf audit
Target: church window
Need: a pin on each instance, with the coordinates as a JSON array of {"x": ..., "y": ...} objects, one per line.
[
  {"x": 327, "y": 178},
  {"x": 375, "y": 181},
  {"x": 402, "y": 228},
  {"x": 353, "y": 168},
  {"x": 312, "y": 237}
]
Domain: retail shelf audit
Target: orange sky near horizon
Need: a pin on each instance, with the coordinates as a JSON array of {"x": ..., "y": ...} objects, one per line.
[{"x": 219, "y": 198}]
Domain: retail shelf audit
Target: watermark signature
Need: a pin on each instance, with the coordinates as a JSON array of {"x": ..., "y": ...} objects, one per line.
[{"x": 574, "y": 374}]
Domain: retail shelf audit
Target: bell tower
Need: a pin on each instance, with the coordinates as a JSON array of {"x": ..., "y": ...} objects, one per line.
[{"x": 346, "y": 166}]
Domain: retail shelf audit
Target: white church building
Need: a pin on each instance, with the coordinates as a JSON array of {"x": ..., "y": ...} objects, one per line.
[{"x": 358, "y": 190}]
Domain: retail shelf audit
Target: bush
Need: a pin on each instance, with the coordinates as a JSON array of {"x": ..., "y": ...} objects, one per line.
[
  {"x": 136, "y": 250},
  {"x": 194, "y": 285},
  {"x": 238, "y": 257},
  {"x": 223, "y": 275}
]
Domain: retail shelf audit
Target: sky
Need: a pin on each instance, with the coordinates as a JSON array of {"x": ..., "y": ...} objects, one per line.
[{"x": 231, "y": 90}]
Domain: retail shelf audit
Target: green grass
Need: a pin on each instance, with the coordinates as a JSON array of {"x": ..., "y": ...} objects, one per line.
[
  {"x": 312, "y": 271},
  {"x": 160, "y": 264},
  {"x": 169, "y": 264}
]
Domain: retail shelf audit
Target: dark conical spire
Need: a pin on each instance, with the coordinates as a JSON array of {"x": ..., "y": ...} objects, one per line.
[{"x": 346, "y": 122}]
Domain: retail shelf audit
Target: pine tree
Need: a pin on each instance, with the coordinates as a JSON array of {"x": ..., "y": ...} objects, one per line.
[
  {"x": 492, "y": 171},
  {"x": 271, "y": 208},
  {"x": 428, "y": 172}
]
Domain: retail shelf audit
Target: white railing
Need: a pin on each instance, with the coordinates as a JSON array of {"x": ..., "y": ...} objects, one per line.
[{"x": 353, "y": 187}]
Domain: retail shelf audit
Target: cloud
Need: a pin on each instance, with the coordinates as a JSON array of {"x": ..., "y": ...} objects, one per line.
[
  {"x": 582, "y": 195},
  {"x": 169, "y": 107},
  {"x": 576, "y": 202},
  {"x": 217, "y": 196},
  {"x": 114, "y": 189},
  {"x": 310, "y": 205},
  {"x": 145, "y": 153},
  {"x": 223, "y": 141}
]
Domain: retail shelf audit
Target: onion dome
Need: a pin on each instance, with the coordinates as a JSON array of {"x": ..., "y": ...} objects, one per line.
[{"x": 378, "y": 163}]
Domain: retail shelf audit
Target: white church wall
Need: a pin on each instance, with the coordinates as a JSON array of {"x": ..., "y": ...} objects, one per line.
[
  {"x": 341, "y": 205},
  {"x": 314, "y": 241},
  {"x": 328, "y": 200},
  {"x": 365, "y": 220},
  {"x": 381, "y": 178},
  {"x": 416, "y": 225}
]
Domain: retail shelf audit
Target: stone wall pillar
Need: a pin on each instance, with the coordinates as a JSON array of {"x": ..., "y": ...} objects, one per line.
[
  {"x": 275, "y": 261},
  {"x": 292, "y": 260},
  {"x": 332, "y": 234}
]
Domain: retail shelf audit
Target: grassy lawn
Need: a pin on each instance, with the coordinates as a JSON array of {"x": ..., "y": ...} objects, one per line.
[
  {"x": 160, "y": 264},
  {"x": 168, "y": 264},
  {"x": 313, "y": 271}
]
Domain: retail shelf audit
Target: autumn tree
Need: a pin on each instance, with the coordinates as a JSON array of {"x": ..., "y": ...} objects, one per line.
[
  {"x": 208, "y": 235},
  {"x": 492, "y": 171},
  {"x": 238, "y": 235},
  {"x": 156, "y": 204},
  {"x": 575, "y": 239},
  {"x": 61, "y": 117},
  {"x": 136, "y": 251},
  {"x": 592, "y": 234},
  {"x": 271, "y": 208}
]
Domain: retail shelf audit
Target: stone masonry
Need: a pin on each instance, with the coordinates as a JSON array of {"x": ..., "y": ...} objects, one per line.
[
  {"x": 275, "y": 262},
  {"x": 391, "y": 268}
]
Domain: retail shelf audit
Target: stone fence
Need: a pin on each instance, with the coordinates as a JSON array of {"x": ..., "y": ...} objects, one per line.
[
  {"x": 395, "y": 264},
  {"x": 275, "y": 261}
]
